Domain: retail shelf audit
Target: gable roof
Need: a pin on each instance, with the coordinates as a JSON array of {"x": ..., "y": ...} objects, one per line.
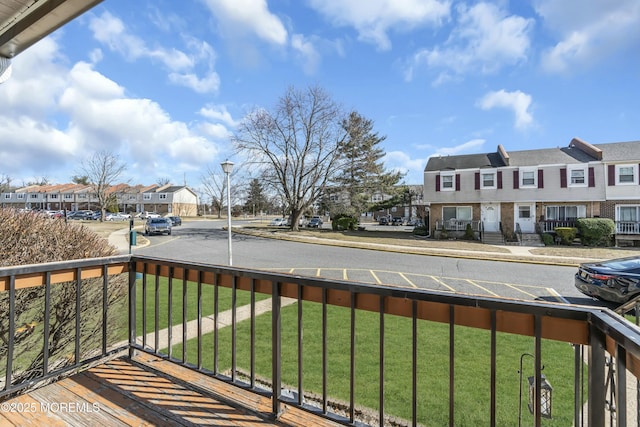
[{"x": 576, "y": 152}]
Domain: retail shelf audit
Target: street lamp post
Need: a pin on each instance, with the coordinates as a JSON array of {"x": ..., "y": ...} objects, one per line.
[{"x": 227, "y": 167}]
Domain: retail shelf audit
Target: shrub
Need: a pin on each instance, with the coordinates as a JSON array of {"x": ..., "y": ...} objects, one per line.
[
  {"x": 468, "y": 233},
  {"x": 32, "y": 238},
  {"x": 566, "y": 234},
  {"x": 420, "y": 231},
  {"x": 343, "y": 222},
  {"x": 596, "y": 231},
  {"x": 547, "y": 239}
]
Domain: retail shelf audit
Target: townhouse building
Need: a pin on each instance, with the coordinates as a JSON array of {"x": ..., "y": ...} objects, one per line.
[
  {"x": 166, "y": 199},
  {"x": 533, "y": 191}
]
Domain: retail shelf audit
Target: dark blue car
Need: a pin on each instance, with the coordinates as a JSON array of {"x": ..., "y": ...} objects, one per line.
[{"x": 616, "y": 280}]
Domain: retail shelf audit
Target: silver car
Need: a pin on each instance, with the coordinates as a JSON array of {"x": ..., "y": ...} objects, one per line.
[{"x": 157, "y": 226}]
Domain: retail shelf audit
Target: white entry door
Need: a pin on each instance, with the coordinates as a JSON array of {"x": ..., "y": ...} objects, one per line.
[
  {"x": 490, "y": 216},
  {"x": 525, "y": 215}
]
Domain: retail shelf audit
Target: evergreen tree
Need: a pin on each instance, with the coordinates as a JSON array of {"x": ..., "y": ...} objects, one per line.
[
  {"x": 257, "y": 200},
  {"x": 362, "y": 173}
]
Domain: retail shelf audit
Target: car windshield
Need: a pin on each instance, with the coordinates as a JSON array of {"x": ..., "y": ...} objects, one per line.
[{"x": 158, "y": 220}]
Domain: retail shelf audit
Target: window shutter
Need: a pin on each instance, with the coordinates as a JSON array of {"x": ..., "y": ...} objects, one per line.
[
  {"x": 499, "y": 180},
  {"x": 516, "y": 180},
  {"x": 592, "y": 177},
  {"x": 477, "y": 180},
  {"x": 540, "y": 178},
  {"x": 437, "y": 182},
  {"x": 563, "y": 178},
  {"x": 611, "y": 175},
  {"x": 457, "y": 182}
]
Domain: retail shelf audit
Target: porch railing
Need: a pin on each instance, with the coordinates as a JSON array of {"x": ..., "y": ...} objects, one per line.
[
  {"x": 458, "y": 225},
  {"x": 164, "y": 297},
  {"x": 627, "y": 227},
  {"x": 549, "y": 226}
]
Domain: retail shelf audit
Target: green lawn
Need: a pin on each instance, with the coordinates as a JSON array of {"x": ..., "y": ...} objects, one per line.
[{"x": 472, "y": 365}]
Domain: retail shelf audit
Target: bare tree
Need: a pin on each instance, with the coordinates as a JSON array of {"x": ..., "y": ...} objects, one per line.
[
  {"x": 5, "y": 183},
  {"x": 295, "y": 146},
  {"x": 102, "y": 169},
  {"x": 214, "y": 186},
  {"x": 163, "y": 181}
]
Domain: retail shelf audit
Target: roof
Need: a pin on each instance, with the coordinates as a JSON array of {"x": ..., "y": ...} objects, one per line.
[
  {"x": 576, "y": 152},
  {"x": 24, "y": 22},
  {"x": 465, "y": 161}
]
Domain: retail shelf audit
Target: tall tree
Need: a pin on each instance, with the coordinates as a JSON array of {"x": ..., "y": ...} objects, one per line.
[
  {"x": 102, "y": 169},
  {"x": 76, "y": 179},
  {"x": 257, "y": 200},
  {"x": 295, "y": 146},
  {"x": 362, "y": 172}
]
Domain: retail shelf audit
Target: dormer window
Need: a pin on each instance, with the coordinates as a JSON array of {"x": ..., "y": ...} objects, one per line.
[{"x": 447, "y": 182}]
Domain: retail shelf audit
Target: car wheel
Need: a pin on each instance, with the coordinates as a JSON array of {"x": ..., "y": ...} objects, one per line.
[{"x": 169, "y": 233}]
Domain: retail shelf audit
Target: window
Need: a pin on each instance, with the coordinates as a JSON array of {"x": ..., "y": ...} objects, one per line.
[
  {"x": 565, "y": 213},
  {"x": 461, "y": 213},
  {"x": 20, "y": 196},
  {"x": 628, "y": 213},
  {"x": 524, "y": 211},
  {"x": 377, "y": 198},
  {"x": 68, "y": 196},
  {"x": 528, "y": 178},
  {"x": 132, "y": 196},
  {"x": 488, "y": 180},
  {"x": 33, "y": 196},
  {"x": 162, "y": 196},
  {"x": 447, "y": 182},
  {"x": 7, "y": 195},
  {"x": 82, "y": 196},
  {"x": 53, "y": 196},
  {"x": 577, "y": 177},
  {"x": 625, "y": 174},
  {"x": 146, "y": 197}
]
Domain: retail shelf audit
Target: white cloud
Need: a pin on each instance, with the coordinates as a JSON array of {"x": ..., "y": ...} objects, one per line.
[
  {"x": 239, "y": 18},
  {"x": 181, "y": 66},
  {"x": 485, "y": 40},
  {"x": 308, "y": 54},
  {"x": 588, "y": 32},
  {"x": 373, "y": 19},
  {"x": 84, "y": 112},
  {"x": 404, "y": 163},
  {"x": 517, "y": 101},
  {"x": 472, "y": 146},
  {"x": 218, "y": 113}
]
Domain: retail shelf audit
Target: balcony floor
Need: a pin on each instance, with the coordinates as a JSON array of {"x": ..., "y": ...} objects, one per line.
[{"x": 146, "y": 391}]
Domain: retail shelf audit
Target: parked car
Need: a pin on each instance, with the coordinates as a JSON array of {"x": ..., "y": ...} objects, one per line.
[
  {"x": 396, "y": 220},
  {"x": 147, "y": 215},
  {"x": 157, "y": 226},
  {"x": 315, "y": 222},
  {"x": 175, "y": 220},
  {"x": 616, "y": 280},
  {"x": 383, "y": 220},
  {"x": 278, "y": 222},
  {"x": 116, "y": 217}
]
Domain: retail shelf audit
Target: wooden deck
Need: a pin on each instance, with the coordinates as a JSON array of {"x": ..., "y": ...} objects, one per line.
[{"x": 146, "y": 391}]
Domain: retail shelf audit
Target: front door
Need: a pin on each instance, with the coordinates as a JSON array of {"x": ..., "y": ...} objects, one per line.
[
  {"x": 490, "y": 216},
  {"x": 525, "y": 217}
]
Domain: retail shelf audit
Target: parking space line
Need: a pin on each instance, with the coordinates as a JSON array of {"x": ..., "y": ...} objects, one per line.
[
  {"x": 407, "y": 280},
  {"x": 482, "y": 287},
  {"x": 557, "y": 295},
  {"x": 373, "y": 273},
  {"x": 442, "y": 283},
  {"x": 516, "y": 287},
  {"x": 345, "y": 275}
]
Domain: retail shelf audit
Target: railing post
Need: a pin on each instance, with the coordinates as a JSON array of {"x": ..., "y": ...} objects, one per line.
[
  {"x": 597, "y": 389},
  {"x": 276, "y": 347},
  {"x": 132, "y": 307}
]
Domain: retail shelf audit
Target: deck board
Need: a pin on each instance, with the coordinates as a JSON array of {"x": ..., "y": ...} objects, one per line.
[{"x": 147, "y": 391}]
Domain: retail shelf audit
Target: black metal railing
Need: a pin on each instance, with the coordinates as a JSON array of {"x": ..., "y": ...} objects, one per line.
[
  {"x": 167, "y": 300},
  {"x": 457, "y": 225}
]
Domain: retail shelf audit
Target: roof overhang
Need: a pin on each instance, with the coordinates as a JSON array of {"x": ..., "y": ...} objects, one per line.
[{"x": 24, "y": 22}]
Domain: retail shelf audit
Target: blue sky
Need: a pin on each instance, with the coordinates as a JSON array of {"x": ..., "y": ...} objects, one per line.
[{"x": 164, "y": 83}]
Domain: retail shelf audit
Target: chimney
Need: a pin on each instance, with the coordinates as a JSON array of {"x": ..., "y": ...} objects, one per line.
[
  {"x": 587, "y": 148},
  {"x": 503, "y": 154}
]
